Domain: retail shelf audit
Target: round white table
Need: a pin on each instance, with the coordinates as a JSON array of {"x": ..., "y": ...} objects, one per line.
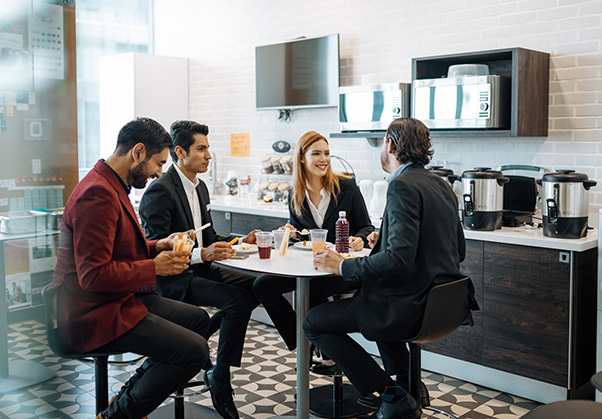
[{"x": 296, "y": 263}]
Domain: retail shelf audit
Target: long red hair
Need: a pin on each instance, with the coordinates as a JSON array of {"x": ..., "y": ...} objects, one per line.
[{"x": 330, "y": 181}]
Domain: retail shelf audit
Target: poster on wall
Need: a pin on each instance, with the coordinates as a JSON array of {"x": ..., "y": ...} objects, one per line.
[
  {"x": 28, "y": 267},
  {"x": 46, "y": 41},
  {"x": 18, "y": 291}
]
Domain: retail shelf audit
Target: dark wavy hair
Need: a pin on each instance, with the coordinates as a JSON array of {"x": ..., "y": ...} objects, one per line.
[
  {"x": 146, "y": 131},
  {"x": 411, "y": 141},
  {"x": 182, "y": 132}
]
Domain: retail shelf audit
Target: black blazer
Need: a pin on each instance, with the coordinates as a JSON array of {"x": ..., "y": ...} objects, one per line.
[
  {"x": 350, "y": 200},
  {"x": 421, "y": 244},
  {"x": 164, "y": 209}
]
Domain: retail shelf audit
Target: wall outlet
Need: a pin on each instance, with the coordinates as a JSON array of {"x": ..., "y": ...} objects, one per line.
[{"x": 36, "y": 166}]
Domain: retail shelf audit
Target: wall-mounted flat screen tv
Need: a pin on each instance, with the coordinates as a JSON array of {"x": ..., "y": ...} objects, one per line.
[{"x": 303, "y": 73}]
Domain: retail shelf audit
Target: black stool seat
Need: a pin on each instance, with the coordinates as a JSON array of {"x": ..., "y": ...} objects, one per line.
[{"x": 570, "y": 409}]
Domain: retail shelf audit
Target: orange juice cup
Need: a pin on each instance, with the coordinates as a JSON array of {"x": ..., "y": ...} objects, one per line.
[
  {"x": 318, "y": 239},
  {"x": 182, "y": 244}
]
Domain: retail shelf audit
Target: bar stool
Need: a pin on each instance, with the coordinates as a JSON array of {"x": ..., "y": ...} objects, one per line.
[
  {"x": 338, "y": 400},
  {"x": 446, "y": 309},
  {"x": 101, "y": 369},
  {"x": 101, "y": 359}
]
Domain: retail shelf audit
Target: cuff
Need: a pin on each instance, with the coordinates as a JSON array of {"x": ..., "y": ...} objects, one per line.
[{"x": 196, "y": 256}]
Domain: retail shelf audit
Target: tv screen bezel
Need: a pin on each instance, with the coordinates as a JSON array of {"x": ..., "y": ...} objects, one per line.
[{"x": 335, "y": 102}]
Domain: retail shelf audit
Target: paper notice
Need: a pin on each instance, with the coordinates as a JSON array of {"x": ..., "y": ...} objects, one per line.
[{"x": 240, "y": 145}]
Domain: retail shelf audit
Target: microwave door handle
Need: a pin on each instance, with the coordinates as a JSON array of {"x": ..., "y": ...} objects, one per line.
[
  {"x": 459, "y": 101},
  {"x": 432, "y": 102},
  {"x": 378, "y": 106}
]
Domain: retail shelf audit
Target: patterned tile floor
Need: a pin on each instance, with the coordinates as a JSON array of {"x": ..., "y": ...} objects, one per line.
[{"x": 264, "y": 385}]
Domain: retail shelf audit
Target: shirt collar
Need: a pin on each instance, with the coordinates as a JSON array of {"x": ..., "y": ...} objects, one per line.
[
  {"x": 188, "y": 185},
  {"x": 127, "y": 188},
  {"x": 397, "y": 171}
]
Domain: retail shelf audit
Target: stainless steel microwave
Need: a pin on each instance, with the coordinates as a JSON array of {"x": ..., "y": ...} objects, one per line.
[
  {"x": 373, "y": 107},
  {"x": 462, "y": 102}
]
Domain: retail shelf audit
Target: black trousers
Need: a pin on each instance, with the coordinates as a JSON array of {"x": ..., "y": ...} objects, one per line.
[
  {"x": 269, "y": 289},
  {"x": 232, "y": 293},
  {"x": 171, "y": 335},
  {"x": 328, "y": 325}
]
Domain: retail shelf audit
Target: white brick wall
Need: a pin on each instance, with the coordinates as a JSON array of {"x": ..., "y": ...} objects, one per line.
[{"x": 378, "y": 41}]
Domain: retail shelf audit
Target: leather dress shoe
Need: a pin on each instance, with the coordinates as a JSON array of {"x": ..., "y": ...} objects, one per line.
[
  {"x": 330, "y": 370},
  {"x": 404, "y": 408},
  {"x": 221, "y": 397},
  {"x": 371, "y": 400}
]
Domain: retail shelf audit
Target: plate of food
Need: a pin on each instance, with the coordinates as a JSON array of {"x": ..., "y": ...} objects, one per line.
[
  {"x": 306, "y": 245},
  {"x": 245, "y": 248}
]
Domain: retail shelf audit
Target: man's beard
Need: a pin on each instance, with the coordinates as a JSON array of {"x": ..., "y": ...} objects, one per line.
[{"x": 138, "y": 175}]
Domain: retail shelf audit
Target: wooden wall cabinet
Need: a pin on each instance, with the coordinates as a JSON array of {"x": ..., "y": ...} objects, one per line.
[
  {"x": 537, "y": 314},
  {"x": 529, "y": 72}
]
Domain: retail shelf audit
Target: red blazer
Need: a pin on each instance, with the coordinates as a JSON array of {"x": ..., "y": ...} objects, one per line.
[{"x": 103, "y": 259}]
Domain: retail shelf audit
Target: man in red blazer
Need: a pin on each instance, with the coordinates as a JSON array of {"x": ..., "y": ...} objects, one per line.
[{"x": 106, "y": 271}]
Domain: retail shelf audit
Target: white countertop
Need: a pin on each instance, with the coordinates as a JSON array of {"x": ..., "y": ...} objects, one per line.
[
  {"x": 534, "y": 237},
  {"x": 525, "y": 236},
  {"x": 247, "y": 205}
]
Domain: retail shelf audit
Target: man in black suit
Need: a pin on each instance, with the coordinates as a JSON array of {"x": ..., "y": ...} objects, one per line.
[
  {"x": 178, "y": 201},
  {"x": 421, "y": 244}
]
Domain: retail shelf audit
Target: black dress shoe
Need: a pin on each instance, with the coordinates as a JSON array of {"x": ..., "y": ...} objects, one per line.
[
  {"x": 221, "y": 397},
  {"x": 404, "y": 408},
  {"x": 372, "y": 401},
  {"x": 330, "y": 370}
]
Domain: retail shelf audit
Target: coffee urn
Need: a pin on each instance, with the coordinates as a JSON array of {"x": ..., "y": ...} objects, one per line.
[
  {"x": 444, "y": 173},
  {"x": 565, "y": 204},
  {"x": 483, "y": 199}
]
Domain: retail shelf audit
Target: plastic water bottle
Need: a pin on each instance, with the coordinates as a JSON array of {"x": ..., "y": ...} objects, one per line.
[{"x": 342, "y": 233}]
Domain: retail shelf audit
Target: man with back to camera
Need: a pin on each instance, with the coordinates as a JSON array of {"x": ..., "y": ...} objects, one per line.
[
  {"x": 421, "y": 244},
  {"x": 180, "y": 201},
  {"x": 106, "y": 271}
]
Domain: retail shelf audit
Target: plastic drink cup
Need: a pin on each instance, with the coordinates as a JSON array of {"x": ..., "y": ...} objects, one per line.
[
  {"x": 182, "y": 244},
  {"x": 278, "y": 238},
  {"x": 264, "y": 244},
  {"x": 318, "y": 239}
]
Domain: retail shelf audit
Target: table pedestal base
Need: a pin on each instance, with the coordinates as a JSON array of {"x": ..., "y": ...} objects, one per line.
[
  {"x": 322, "y": 403},
  {"x": 23, "y": 373},
  {"x": 191, "y": 411}
]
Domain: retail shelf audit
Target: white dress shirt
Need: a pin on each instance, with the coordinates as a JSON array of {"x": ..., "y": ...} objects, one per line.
[
  {"x": 319, "y": 212},
  {"x": 195, "y": 209}
]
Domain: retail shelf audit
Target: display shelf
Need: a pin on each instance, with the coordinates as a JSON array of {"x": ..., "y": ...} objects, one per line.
[{"x": 529, "y": 72}]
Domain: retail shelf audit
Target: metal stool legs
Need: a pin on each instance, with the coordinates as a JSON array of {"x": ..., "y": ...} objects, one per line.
[
  {"x": 101, "y": 382},
  {"x": 415, "y": 379}
]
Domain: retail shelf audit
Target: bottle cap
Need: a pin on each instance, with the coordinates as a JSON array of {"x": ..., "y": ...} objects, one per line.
[{"x": 342, "y": 214}]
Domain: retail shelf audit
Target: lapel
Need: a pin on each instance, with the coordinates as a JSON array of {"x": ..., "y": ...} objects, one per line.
[
  {"x": 332, "y": 206},
  {"x": 179, "y": 187},
  {"x": 111, "y": 177},
  {"x": 307, "y": 215}
]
